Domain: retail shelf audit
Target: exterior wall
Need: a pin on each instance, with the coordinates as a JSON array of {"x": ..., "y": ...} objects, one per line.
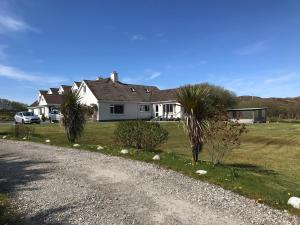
[
  {"x": 244, "y": 121},
  {"x": 74, "y": 88},
  {"x": 131, "y": 111},
  {"x": 177, "y": 110},
  {"x": 87, "y": 97}
]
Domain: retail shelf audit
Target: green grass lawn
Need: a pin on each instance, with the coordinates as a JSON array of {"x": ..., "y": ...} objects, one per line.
[{"x": 266, "y": 166}]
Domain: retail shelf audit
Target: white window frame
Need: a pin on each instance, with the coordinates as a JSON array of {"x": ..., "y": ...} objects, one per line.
[
  {"x": 112, "y": 106},
  {"x": 144, "y": 107}
]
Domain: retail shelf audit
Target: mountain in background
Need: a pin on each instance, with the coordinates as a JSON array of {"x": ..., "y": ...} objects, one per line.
[{"x": 284, "y": 108}]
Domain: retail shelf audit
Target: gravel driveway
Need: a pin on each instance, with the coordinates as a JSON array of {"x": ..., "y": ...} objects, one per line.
[{"x": 52, "y": 185}]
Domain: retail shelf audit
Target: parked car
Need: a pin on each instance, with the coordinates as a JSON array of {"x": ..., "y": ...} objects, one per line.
[
  {"x": 54, "y": 115},
  {"x": 26, "y": 117}
]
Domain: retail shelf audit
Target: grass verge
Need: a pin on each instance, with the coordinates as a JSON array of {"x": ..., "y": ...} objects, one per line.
[{"x": 265, "y": 168}]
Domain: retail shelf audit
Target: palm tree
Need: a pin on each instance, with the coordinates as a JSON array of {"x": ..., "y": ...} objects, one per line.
[
  {"x": 74, "y": 116},
  {"x": 202, "y": 102}
]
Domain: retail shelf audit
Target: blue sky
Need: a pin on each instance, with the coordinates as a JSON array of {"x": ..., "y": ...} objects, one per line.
[{"x": 249, "y": 47}]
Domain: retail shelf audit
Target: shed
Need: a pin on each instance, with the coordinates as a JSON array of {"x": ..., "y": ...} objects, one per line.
[{"x": 247, "y": 115}]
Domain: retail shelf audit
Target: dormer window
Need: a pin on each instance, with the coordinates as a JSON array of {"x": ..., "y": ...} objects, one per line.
[
  {"x": 132, "y": 89},
  {"x": 147, "y": 90}
]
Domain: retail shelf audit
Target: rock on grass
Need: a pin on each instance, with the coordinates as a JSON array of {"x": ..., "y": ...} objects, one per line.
[{"x": 295, "y": 202}]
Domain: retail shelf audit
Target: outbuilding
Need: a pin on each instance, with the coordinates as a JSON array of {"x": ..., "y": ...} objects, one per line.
[{"x": 247, "y": 115}]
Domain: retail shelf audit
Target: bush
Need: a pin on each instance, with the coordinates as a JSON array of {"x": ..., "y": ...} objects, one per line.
[
  {"x": 22, "y": 130},
  {"x": 140, "y": 134},
  {"x": 221, "y": 138},
  {"x": 74, "y": 116},
  {"x": 44, "y": 118}
]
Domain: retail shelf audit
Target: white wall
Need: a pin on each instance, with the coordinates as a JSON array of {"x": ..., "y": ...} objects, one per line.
[
  {"x": 74, "y": 87},
  {"x": 87, "y": 97},
  {"x": 131, "y": 111},
  {"x": 177, "y": 112}
]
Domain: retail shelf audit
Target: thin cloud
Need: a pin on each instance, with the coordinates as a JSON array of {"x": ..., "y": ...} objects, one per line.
[
  {"x": 138, "y": 37},
  {"x": 11, "y": 24},
  {"x": 19, "y": 75},
  {"x": 251, "y": 49},
  {"x": 154, "y": 75},
  {"x": 285, "y": 77},
  {"x": 274, "y": 84}
]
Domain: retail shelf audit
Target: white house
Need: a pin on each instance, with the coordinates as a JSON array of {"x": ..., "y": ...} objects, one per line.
[
  {"x": 114, "y": 100},
  {"x": 75, "y": 86},
  {"x": 119, "y": 101}
]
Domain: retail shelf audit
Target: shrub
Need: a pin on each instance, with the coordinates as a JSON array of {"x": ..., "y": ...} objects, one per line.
[
  {"x": 44, "y": 118},
  {"x": 22, "y": 130},
  {"x": 74, "y": 116},
  {"x": 221, "y": 138},
  {"x": 140, "y": 134}
]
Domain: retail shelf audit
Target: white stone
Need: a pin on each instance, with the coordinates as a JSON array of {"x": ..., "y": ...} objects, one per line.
[
  {"x": 156, "y": 157},
  {"x": 76, "y": 145},
  {"x": 99, "y": 147},
  {"x": 4, "y": 137},
  {"x": 24, "y": 138},
  {"x": 295, "y": 202},
  {"x": 201, "y": 172},
  {"x": 47, "y": 141},
  {"x": 124, "y": 151}
]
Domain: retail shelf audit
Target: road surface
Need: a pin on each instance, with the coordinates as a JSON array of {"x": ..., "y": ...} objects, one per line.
[{"x": 53, "y": 185}]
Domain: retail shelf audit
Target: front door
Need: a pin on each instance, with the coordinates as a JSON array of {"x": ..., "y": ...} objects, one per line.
[{"x": 156, "y": 111}]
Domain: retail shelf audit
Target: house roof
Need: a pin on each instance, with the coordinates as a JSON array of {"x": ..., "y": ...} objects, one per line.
[
  {"x": 36, "y": 103},
  {"x": 54, "y": 90},
  {"x": 43, "y": 92},
  {"x": 106, "y": 89},
  {"x": 77, "y": 83},
  {"x": 164, "y": 95},
  {"x": 66, "y": 88},
  {"x": 53, "y": 99}
]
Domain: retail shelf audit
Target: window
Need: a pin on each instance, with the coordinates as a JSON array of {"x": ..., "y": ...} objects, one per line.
[
  {"x": 144, "y": 108},
  {"x": 84, "y": 89},
  {"x": 116, "y": 109},
  {"x": 169, "y": 108},
  {"x": 147, "y": 90},
  {"x": 132, "y": 89}
]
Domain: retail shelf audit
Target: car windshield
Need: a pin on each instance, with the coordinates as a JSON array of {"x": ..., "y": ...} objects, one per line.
[{"x": 27, "y": 113}]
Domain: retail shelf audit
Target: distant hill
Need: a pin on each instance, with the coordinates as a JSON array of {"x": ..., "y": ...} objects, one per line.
[
  {"x": 285, "y": 108},
  {"x": 9, "y": 108}
]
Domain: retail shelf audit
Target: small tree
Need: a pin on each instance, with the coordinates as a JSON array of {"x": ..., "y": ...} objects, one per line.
[
  {"x": 222, "y": 137},
  {"x": 74, "y": 116},
  {"x": 202, "y": 102}
]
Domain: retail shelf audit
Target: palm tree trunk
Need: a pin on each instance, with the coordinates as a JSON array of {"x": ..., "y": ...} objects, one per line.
[{"x": 196, "y": 148}]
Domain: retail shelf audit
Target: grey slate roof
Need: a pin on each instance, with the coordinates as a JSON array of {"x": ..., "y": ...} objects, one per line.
[
  {"x": 77, "y": 83},
  {"x": 43, "y": 92},
  {"x": 106, "y": 89},
  {"x": 66, "y": 88},
  {"x": 54, "y": 90},
  {"x": 164, "y": 95},
  {"x": 53, "y": 99},
  {"x": 36, "y": 103}
]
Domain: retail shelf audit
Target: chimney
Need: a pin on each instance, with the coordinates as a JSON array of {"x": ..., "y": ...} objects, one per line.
[{"x": 114, "y": 76}]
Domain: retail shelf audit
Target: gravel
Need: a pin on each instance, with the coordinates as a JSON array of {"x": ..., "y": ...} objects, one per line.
[{"x": 53, "y": 185}]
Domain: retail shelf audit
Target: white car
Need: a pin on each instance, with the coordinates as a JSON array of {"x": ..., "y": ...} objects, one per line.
[
  {"x": 26, "y": 117},
  {"x": 54, "y": 116}
]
